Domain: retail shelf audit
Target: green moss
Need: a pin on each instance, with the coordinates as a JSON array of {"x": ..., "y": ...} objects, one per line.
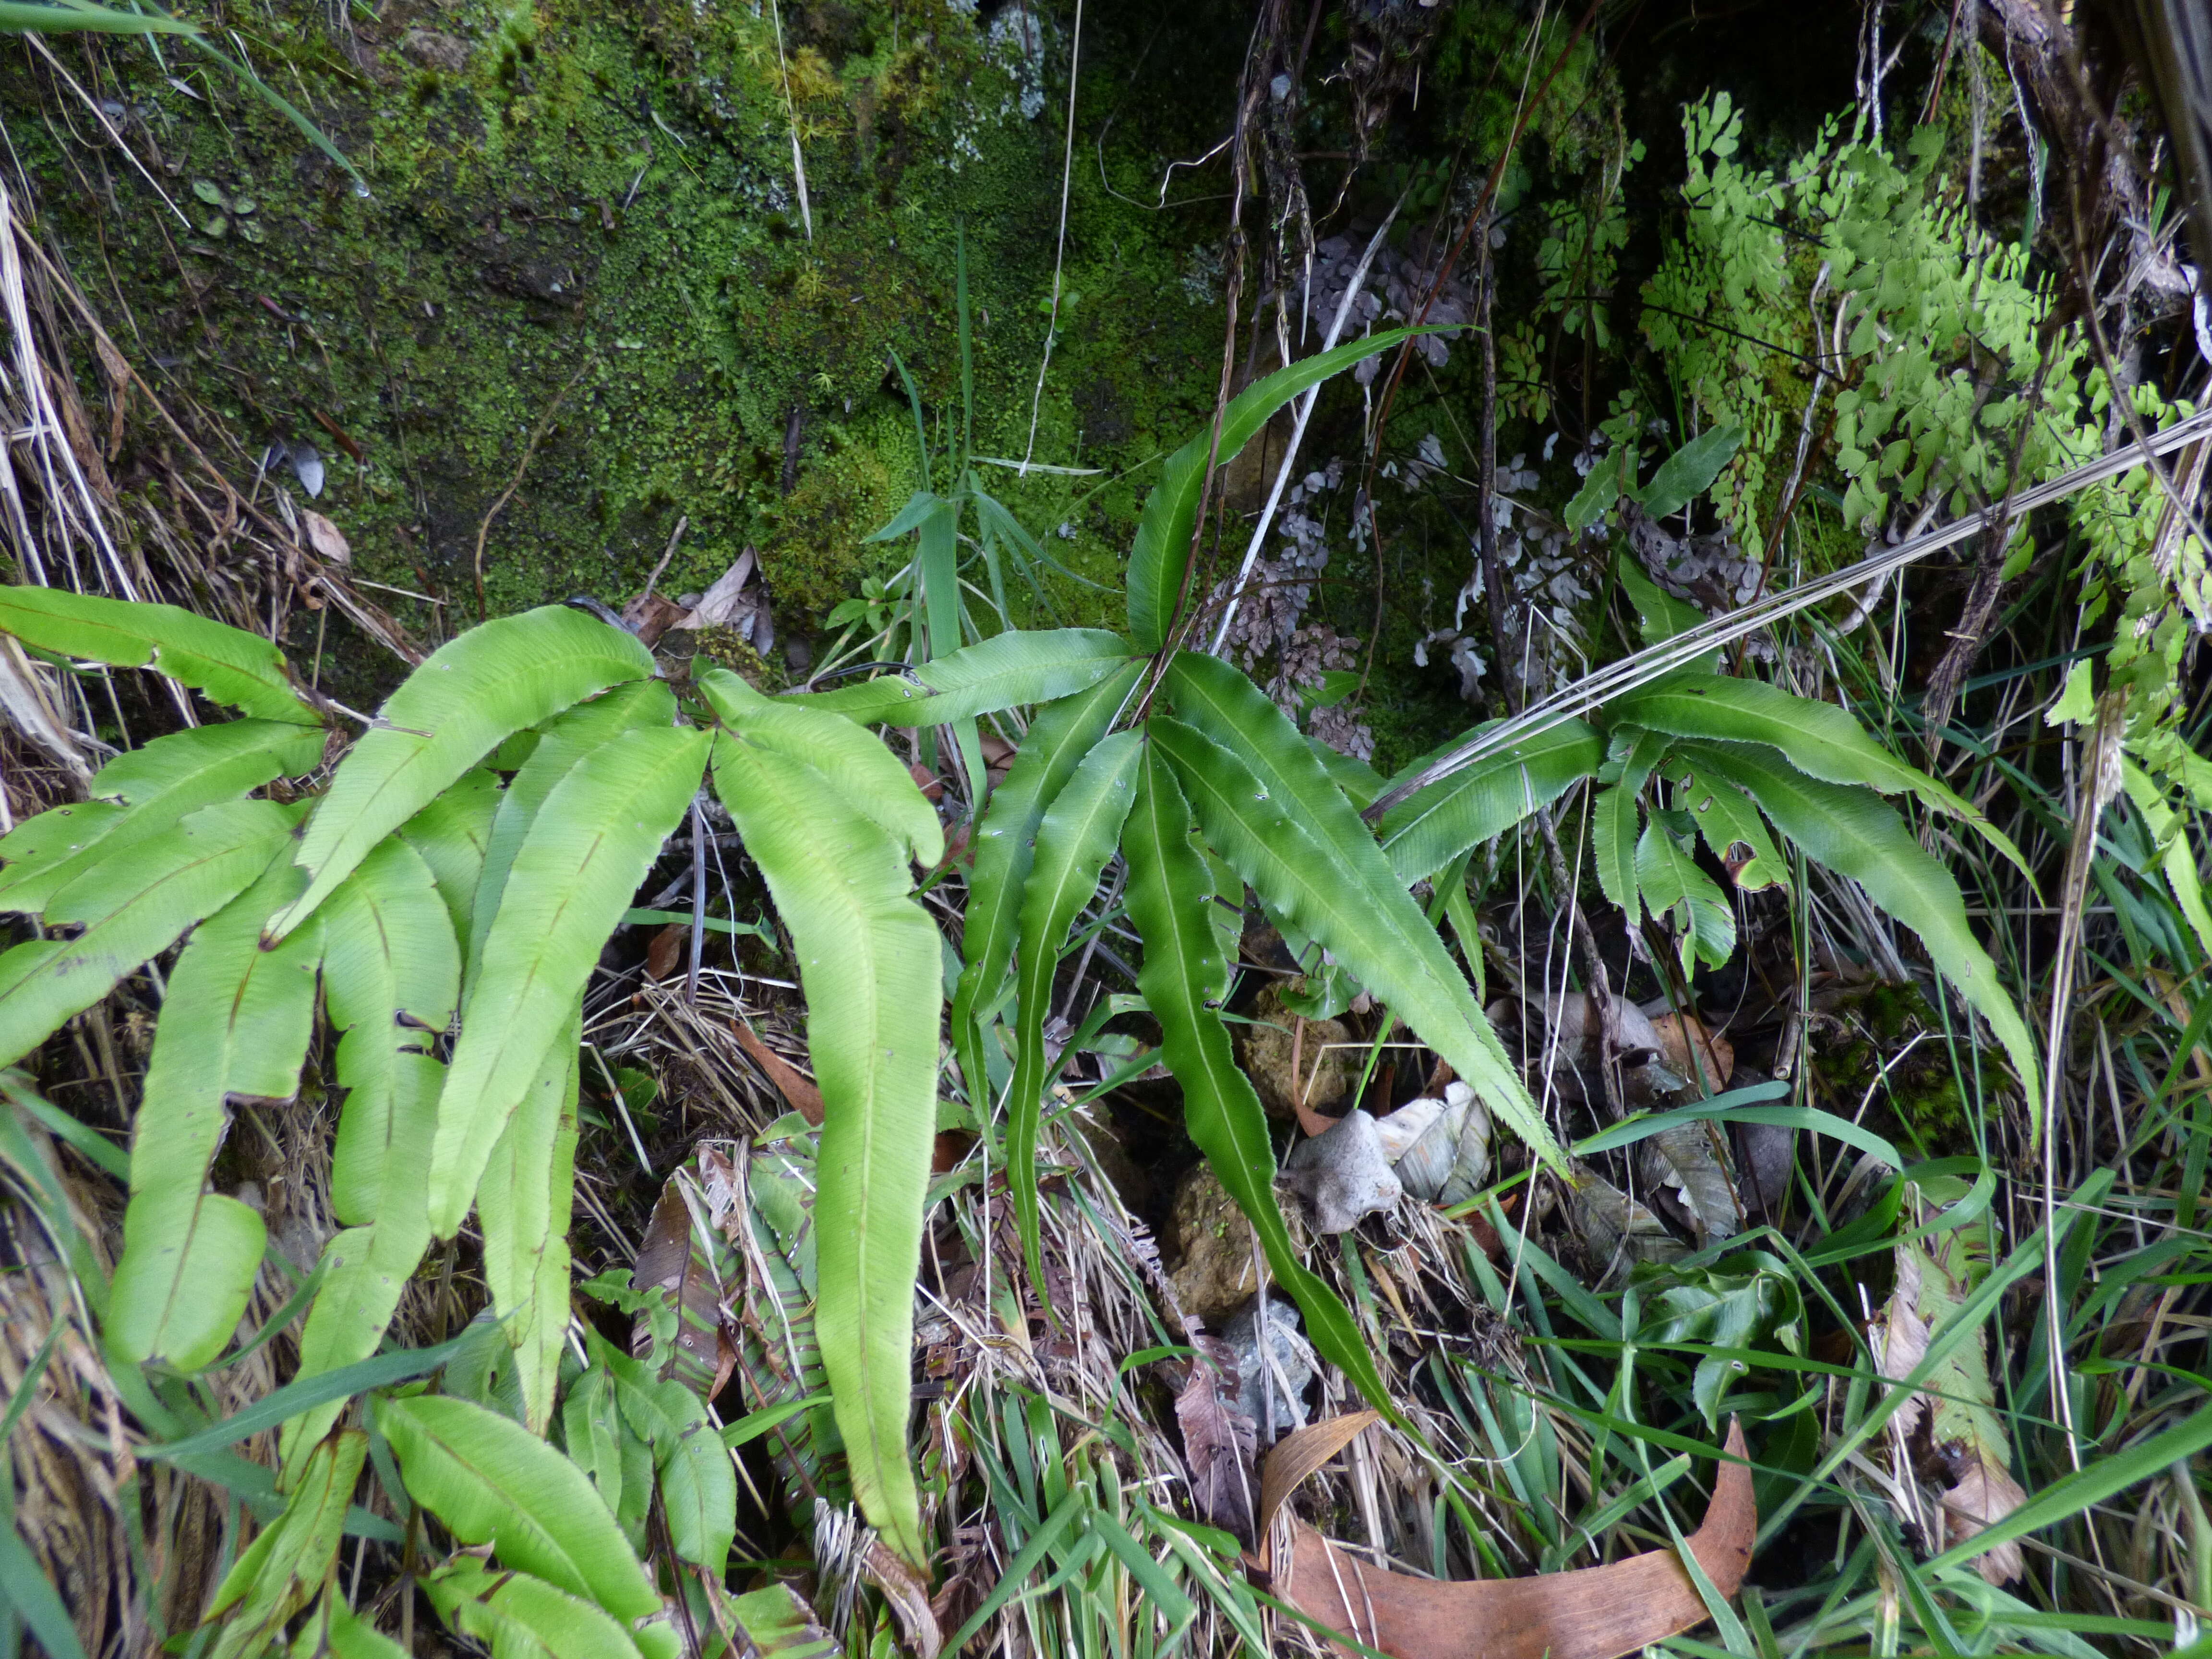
[
  {"x": 1887, "y": 1050},
  {"x": 591, "y": 236}
]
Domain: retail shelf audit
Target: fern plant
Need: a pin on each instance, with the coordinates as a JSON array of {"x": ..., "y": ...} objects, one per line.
[{"x": 447, "y": 890}]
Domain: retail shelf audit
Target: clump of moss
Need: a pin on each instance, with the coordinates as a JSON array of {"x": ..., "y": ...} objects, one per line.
[
  {"x": 818, "y": 555},
  {"x": 724, "y": 647},
  {"x": 1871, "y": 1046}
]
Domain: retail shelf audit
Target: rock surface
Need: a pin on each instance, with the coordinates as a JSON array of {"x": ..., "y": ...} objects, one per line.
[
  {"x": 1216, "y": 1251},
  {"x": 1264, "y": 1049}
]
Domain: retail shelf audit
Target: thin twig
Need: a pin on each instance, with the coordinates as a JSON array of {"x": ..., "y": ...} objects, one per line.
[{"x": 1060, "y": 248}]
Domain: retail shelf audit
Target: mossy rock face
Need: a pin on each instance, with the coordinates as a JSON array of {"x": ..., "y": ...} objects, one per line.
[
  {"x": 584, "y": 287},
  {"x": 583, "y": 230}
]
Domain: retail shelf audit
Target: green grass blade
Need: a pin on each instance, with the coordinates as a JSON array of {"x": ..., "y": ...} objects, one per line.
[
  {"x": 35, "y": 1599},
  {"x": 81, "y": 16}
]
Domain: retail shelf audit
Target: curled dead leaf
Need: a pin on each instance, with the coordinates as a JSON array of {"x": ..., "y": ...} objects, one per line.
[
  {"x": 1684, "y": 1042},
  {"x": 1217, "y": 1439},
  {"x": 908, "y": 1593},
  {"x": 1595, "y": 1613},
  {"x": 665, "y": 950},
  {"x": 328, "y": 540},
  {"x": 651, "y": 616},
  {"x": 1983, "y": 1497}
]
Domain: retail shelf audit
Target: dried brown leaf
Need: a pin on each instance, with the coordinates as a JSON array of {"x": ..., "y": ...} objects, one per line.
[
  {"x": 1597, "y": 1613},
  {"x": 1296, "y": 1455},
  {"x": 908, "y": 1593},
  {"x": 674, "y": 1259},
  {"x": 1217, "y": 1440},
  {"x": 328, "y": 540},
  {"x": 665, "y": 952},
  {"x": 1981, "y": 1498},
  {"x": 1684, "y": 1042}
]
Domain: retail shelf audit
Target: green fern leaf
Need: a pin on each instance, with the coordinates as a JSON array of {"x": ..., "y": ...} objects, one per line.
[
  {"x": 1854, "y": 834},
  {"x": 1161, "y": 551},
  {"x": 698, "y": 1484},
  {"x": 1272, "y": 812},
  {"x": 1659, "y": 615},
  {"x": 1613, "y": 815},
  {"x": 1062, "y": 733},
  {"x": 229, "y": 665},
  {"x": 364, "y": 1270},
  {"x": 1004, "y": 671},
  {"x": 523, "y": 1203},
  {"x": 1669, "y": 876},
  {"x": 1821, "y": 740},
  {"x": 516, "y": 1616},
  {"x": 567, "y": 738},
  {"x": 1426, "y": 831},
  {"x": 492, "y": 1481},
  {"x": 1184, "y": 978},
  {"x": 1076, "y": 838},
  {"x": 860, "y": 768},
  {"x": 452, "y": 835},
  {"x": 391, "y": 977},
  {"x": 290, "y": 1562},
  {"x": 579, "y": 866},
  {"x": 869, "y": 963},
  {"x": 131, "y": 909},
  {"x": 467, "y": 695},
  {"x": 1727, "y": 819},
  {"x": 236, "y": 1022},
  {"x": 141, "y": 794}
]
